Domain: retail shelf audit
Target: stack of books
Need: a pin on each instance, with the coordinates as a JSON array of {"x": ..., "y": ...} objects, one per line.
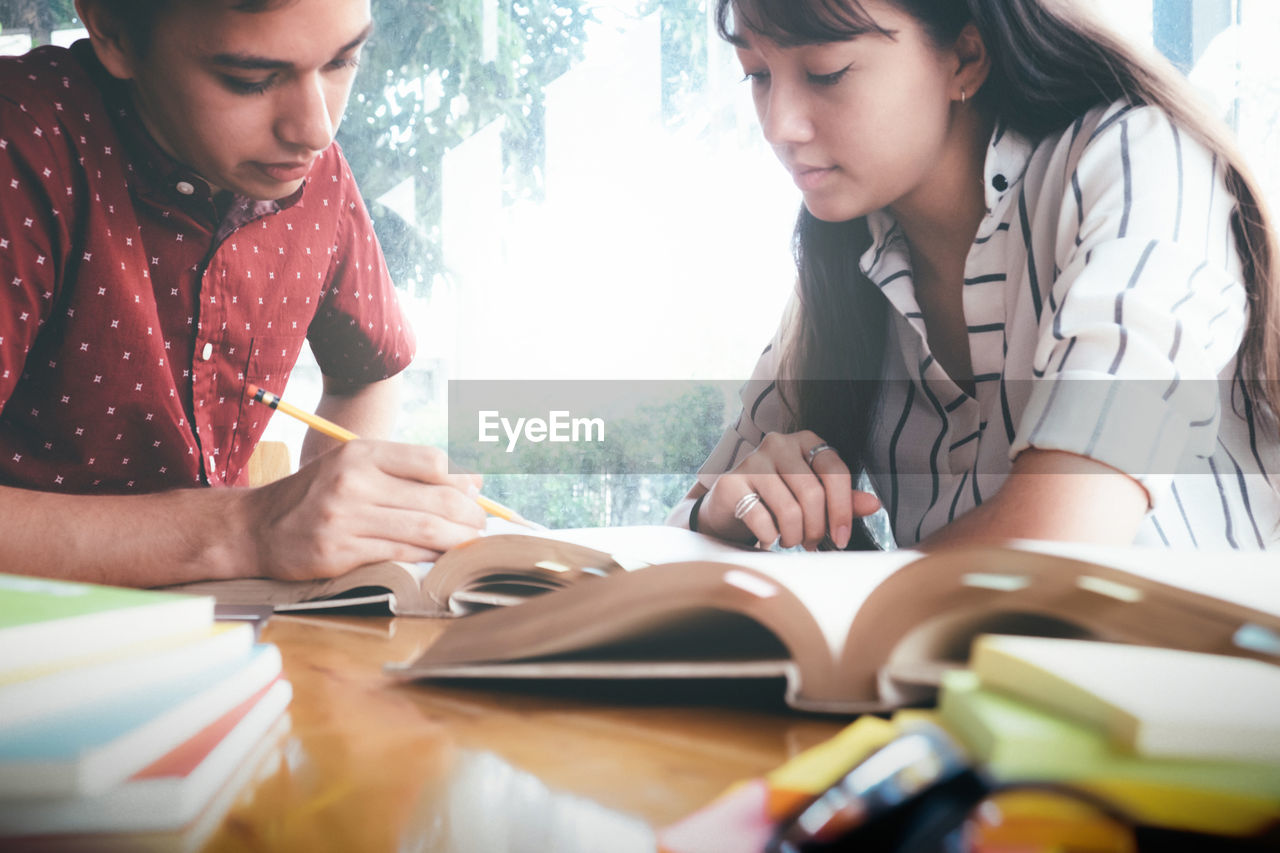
[
  {"x": 125, "y": 710},
  {"x": 1177, "y": 739},
  {"x": 1181, "y": 741}
]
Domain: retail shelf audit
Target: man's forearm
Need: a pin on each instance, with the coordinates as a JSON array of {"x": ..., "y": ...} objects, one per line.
[{"x": 142, "y": 540}]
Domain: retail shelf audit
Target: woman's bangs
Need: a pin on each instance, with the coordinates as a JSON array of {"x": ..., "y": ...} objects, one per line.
[{"x": 796, "y": 22}]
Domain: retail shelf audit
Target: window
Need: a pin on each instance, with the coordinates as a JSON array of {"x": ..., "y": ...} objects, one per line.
[
  {"x": 572, "y": 191},
  {"x": 1227, "y": 49}
]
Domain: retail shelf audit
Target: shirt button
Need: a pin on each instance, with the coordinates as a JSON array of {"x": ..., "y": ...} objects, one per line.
[
  {"x": 184, "y": 187},
  {"x": 1000, "y": 182},
  {"x": 206, "y": 352}
]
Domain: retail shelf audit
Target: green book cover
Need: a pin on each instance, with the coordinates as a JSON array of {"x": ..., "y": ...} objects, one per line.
[
  {"x": 1020, "y": 741},
  {"x": 47, "y": 621},
  {"x": 1150, "y": 701},
  {"x": 28, "y": 600}
]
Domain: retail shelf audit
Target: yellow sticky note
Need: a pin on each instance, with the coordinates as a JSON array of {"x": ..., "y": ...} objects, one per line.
[{"x": 819, "y": 767}]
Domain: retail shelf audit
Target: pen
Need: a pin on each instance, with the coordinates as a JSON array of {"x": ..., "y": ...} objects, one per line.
[{"x": 329, "y": 428}]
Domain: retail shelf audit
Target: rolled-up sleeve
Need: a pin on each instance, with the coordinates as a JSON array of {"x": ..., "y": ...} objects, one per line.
[
  {"x": 361, "y": 333},
  {"x": 1148, "y": 307}
]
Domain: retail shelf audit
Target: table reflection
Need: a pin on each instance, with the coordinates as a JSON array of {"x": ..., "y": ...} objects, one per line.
[
  {"x": 374, "y": 764},
  {"x": 485, "y": 804}
]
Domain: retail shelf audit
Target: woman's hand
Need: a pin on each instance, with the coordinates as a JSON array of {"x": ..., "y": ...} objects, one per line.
[
  {"x": 362, "y": 502},
  {"x": 803, "y": 494}
]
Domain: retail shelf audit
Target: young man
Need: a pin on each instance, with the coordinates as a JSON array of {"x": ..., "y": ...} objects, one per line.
[{"x": 174, "y": 221}]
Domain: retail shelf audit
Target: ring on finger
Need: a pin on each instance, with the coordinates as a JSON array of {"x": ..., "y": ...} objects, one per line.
[
  {"x": 813, "y": 452},
  {"x": 745, "y": 504}
]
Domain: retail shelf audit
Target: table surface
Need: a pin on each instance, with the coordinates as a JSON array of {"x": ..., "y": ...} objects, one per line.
[{"x": 371, "y": 763}]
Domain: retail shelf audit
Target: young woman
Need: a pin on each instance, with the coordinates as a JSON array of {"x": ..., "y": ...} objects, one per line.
[{"x": 1037, "y": 289}]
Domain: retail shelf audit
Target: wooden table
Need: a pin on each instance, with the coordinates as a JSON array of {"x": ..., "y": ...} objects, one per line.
[{"x": 371, "y": 764}]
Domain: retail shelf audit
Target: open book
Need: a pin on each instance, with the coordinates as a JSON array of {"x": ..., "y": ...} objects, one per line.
[
  {"x": 508, "y": 565},
  {"x": 862, "y": 631}
]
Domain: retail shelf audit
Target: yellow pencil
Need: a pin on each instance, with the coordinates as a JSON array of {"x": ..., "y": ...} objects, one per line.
[
  {"x": 317, "y": 423},
  {"x": 329, "y": 428}
]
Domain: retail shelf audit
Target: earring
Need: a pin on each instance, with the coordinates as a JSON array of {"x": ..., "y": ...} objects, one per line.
[{"x": 964, "y": 96}]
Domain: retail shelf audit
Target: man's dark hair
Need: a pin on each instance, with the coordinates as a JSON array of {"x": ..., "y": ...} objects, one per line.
[{"x": 137, "y": 17}]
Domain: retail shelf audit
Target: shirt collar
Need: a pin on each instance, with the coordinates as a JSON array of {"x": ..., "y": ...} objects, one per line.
[
  {"x": 1008, "y": 154},
  {"x": 887, "y": 253},
  {"x": 1007, "y": 157}
]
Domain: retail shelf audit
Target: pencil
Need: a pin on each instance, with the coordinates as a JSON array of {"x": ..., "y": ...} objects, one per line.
[
  {"x": 317, "y": 423},
  {"x": 329, "y": 428}
]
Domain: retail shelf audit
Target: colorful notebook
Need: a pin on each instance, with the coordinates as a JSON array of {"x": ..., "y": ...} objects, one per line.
[
  {"x": 1014, "y": 741},
  {"x": 1159, "y": 703},
  {"x": 45, "y": 621},
  {"x": 88, "y": 749},
  {"x": 1017, "y": 741},
  {"x": 171, "y": 791},
  {"x": 35, "y": 691}
]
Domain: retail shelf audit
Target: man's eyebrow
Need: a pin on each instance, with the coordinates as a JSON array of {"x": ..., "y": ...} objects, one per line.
[{"x": 249, "y": 62}]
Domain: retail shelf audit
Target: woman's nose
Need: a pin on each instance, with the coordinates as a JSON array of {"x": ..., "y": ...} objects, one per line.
[{"x": 784, "y": 115}]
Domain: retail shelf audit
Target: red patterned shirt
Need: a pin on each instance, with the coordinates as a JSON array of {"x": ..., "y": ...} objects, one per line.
[{"x": 133, "y": 312}]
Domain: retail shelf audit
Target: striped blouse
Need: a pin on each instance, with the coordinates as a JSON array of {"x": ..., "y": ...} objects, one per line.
[{"x": 1104, "y": 305}]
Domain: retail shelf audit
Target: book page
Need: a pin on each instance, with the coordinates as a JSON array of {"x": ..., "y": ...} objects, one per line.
[
  {"x": 633, "y": 547},
  {"x": 375, "y": 581},
  {"x": 1247, "y": 578},
  {"x": 832, "y": 584},
  {"x": 799, "y": 605}
]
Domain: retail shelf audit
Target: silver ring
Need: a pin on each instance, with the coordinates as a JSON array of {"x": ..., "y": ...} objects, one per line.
[
  {"x": 816, "y": 450},
  {"x": 745, "y": 504}
]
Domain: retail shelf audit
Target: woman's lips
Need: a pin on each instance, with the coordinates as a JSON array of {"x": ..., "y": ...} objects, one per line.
[{"x": 811, "y": 177}]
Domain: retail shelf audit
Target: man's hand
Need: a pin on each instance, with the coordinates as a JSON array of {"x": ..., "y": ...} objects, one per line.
[{"x": 361, "y": 502}]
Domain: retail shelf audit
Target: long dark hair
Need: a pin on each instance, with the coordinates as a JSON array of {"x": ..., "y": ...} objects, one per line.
[{"x": 1050, "y": 65}]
